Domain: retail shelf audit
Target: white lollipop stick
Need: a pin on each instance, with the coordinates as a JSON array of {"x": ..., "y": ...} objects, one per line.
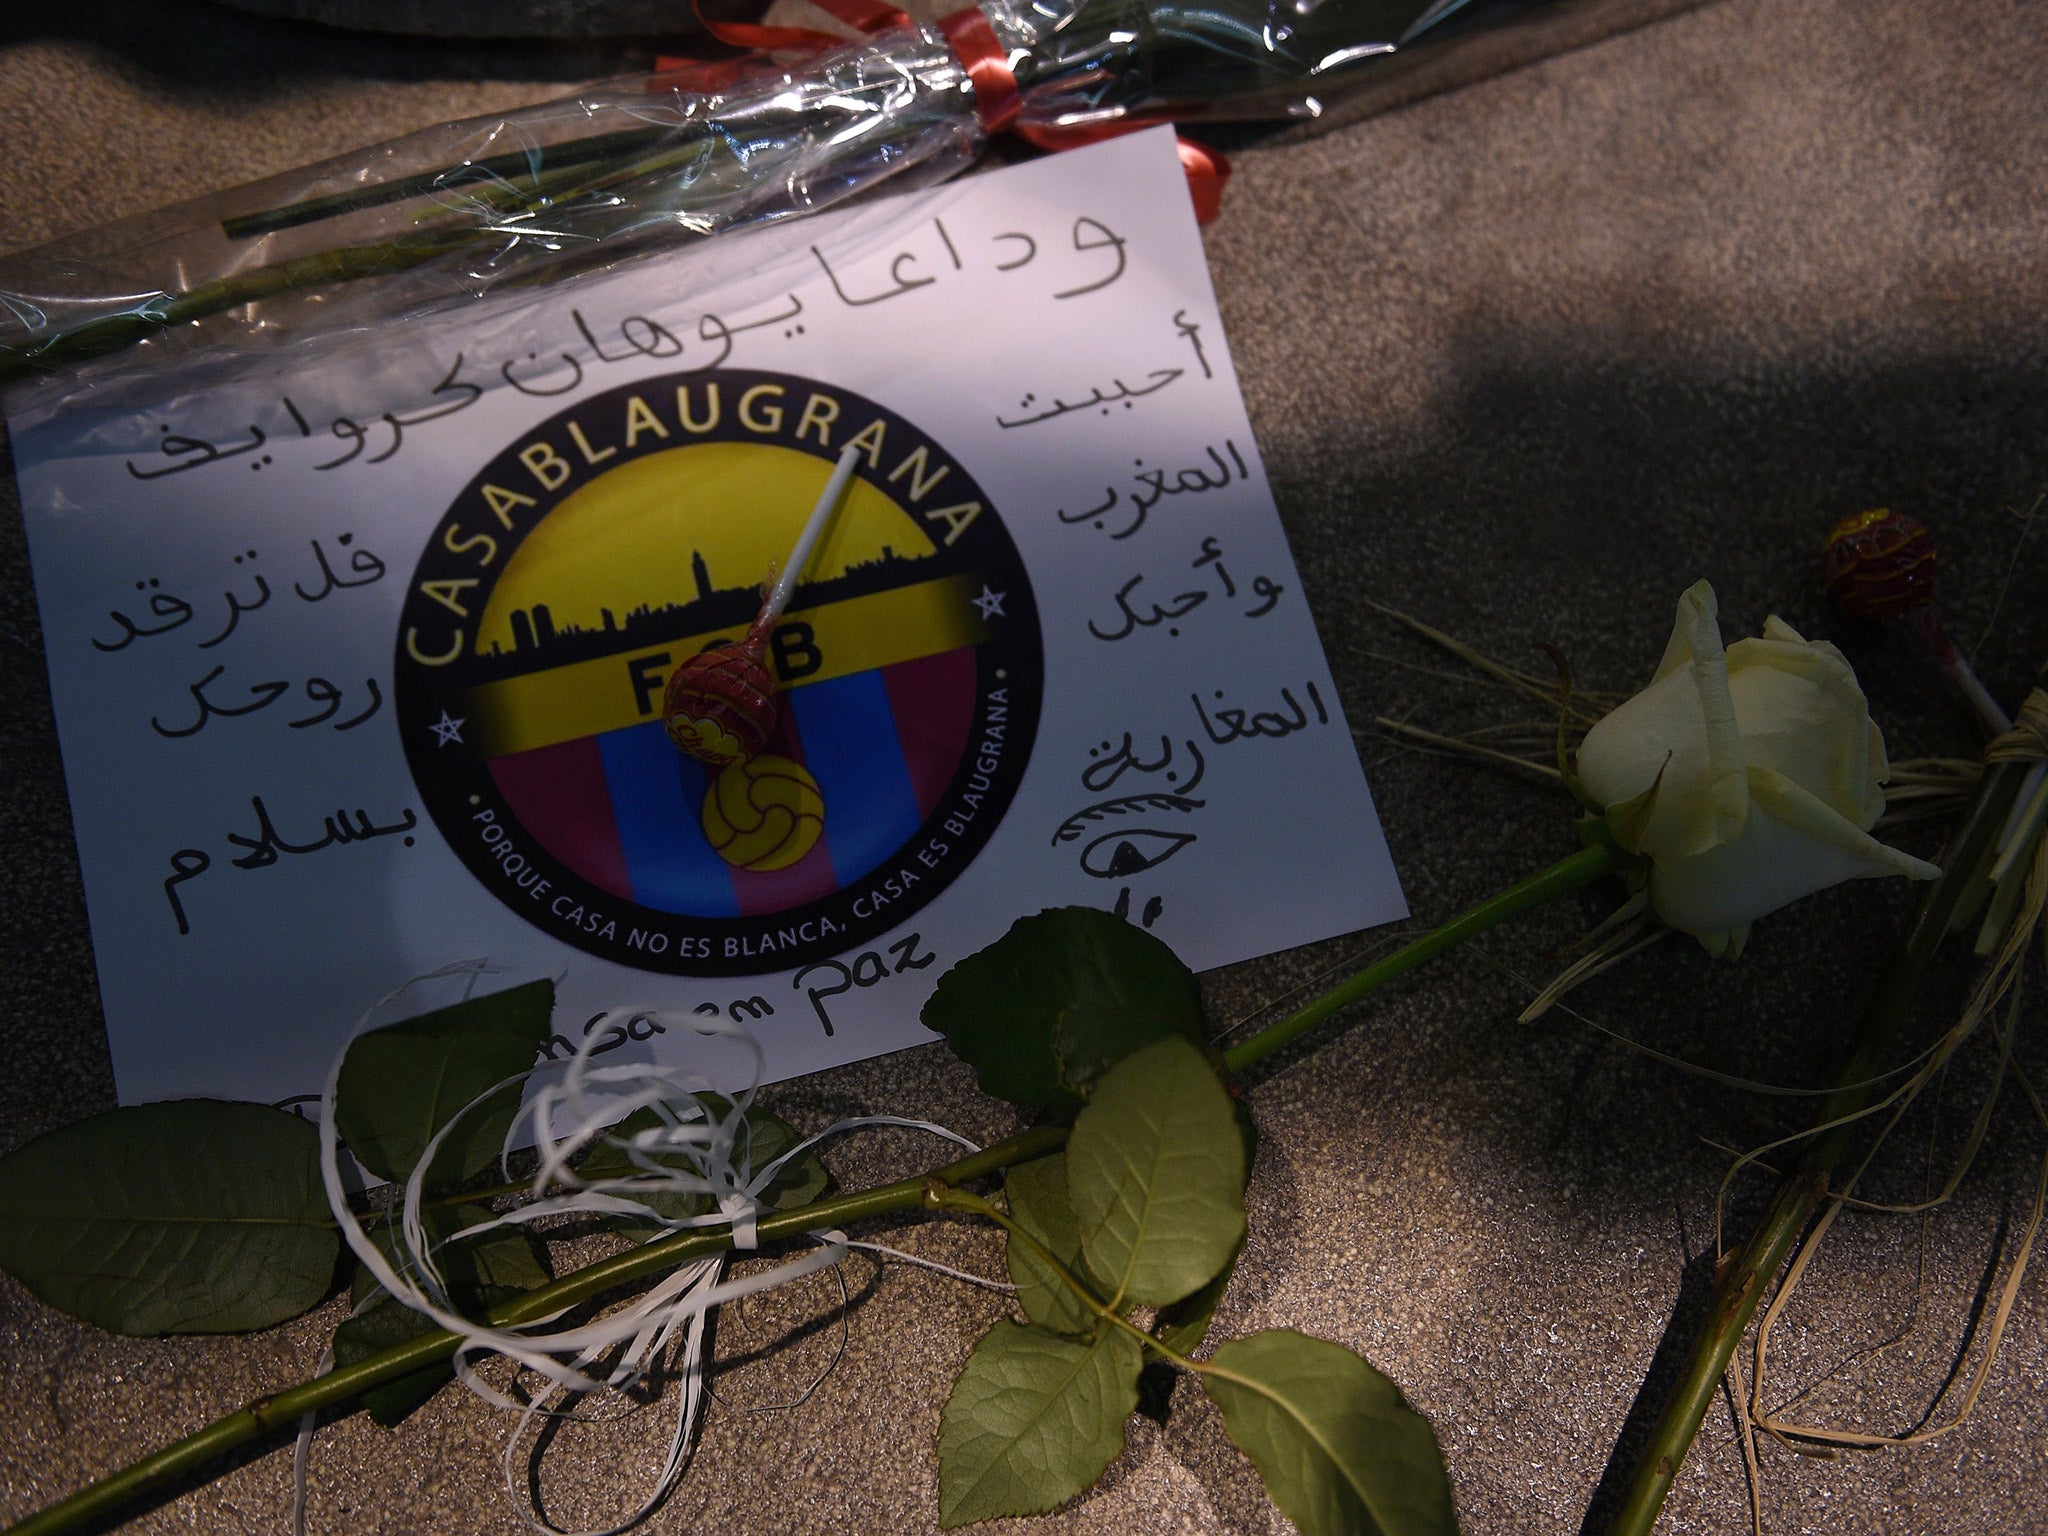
[{"x": 807, "y": 541}]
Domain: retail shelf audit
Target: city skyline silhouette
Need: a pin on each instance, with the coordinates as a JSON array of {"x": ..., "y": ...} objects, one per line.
[{"x": 538, "y": 641}]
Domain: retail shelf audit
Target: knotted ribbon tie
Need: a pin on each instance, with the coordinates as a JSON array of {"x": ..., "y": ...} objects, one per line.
[{"x": 997, "y": 101}]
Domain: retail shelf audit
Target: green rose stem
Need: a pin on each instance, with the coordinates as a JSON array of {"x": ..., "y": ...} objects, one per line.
[
  {"x": 111, "y": 333},
  {"x": 1745, "y": 1273},
  {"x": 346, "y": 264},
  {"x": 278, "y": 1411},
  {"x": 1582, "y": 868}
]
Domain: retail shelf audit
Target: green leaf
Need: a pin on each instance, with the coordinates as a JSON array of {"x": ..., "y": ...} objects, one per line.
[
  {"x": 1033, "y": 1420},
  {"x": 481, "y": 1271},
  {"x": 401, "y": 1084},
  {"x": 193, "y": 1216},
  {"x": 1183, "y": 1326},
  {"x": 1059, "y": 999},
  {"x": 1037, "y": 1192},
  {"x": 1155, "y": 1171},
  {"x": 1340, "y": 1451}
]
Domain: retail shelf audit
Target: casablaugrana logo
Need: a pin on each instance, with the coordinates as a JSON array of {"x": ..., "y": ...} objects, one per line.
[{"x": 599, "y": 551}]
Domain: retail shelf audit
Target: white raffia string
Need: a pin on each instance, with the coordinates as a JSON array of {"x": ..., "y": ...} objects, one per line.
[{"x": 694, "y": 1149}]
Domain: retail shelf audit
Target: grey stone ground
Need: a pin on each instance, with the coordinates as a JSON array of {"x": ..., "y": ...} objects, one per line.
[{"x": 1526, "y": 359}]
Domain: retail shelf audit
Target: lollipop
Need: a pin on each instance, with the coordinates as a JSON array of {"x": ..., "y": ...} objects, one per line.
[
  {"x": 720, "y": 706},
  {"x": 1880, "y": 565}
]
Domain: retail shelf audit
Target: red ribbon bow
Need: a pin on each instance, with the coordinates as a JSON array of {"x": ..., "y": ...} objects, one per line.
[{"x": 997, "y": 101}]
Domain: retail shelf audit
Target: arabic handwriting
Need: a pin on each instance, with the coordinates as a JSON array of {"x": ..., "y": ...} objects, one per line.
[
  {"x": 723, "y": 336},
  {"x": 897, "y": 263},
  {"x": 376, "y": 703},
  {"x": 450, "y": 385},
  {"x": 262, "y": 693},
  {"x": 465, "y": 392},
  {"x": 236, "y": 607},
  {"x": 397, "y": 425},
  {"x": 909, "y": 270},
  {"x": 186, "y": 864},
  {"x": 1183, "y": 604},
  {"x": 318, "y": 689},
  {"x": 1096, "y": 514},
  {"x": 1193, "y": 333},
  {"x": 1245, "y": 725},
  {"x": 267, "y": 844},
  {"x": 180, "y": 450},
  {"x": 347, "y": 431},
  {"x": 712, "y": 328},
  {"x": 1110, "y": 240},
  {"x": 1107, "y": 765},
  {"x": 321, "y": 691},
  {"x": 363, "y": 568},
  {"x": 1267, "y": 591},
  {"x": 1212, "y": 554},
  {"x": 1102, "y": 258},
  {"x": 575, "y": 368},
  {"x": 366, "y": 566},
  {"x": 161, "y": 604},
  {"x": 655, "y": 340},
  {"x": 1155, "y": 485},
  {"x": 1125, "y": 394},
  {"x": 1030, "y": 250}
]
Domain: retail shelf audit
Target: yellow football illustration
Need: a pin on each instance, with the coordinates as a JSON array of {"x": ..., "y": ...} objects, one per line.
[{"x": 763, "y": 814}]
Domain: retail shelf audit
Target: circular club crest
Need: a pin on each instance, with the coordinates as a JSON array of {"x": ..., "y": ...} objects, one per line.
[{"x": 601, "y": 549}]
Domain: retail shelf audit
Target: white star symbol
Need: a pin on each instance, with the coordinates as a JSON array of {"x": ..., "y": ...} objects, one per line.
[
  {"x": 446, "y": 729},
  {"x": 990, "y": 603}
]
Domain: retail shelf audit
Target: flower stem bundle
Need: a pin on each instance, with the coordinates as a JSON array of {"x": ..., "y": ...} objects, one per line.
[{"x": 1745, "y": 1274}]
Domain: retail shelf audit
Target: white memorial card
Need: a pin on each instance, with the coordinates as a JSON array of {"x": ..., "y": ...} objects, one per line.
[{"x": 358, "y": 648}]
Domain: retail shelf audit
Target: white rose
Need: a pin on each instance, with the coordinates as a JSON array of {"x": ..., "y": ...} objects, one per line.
[{"x": 1749, "y": 777}]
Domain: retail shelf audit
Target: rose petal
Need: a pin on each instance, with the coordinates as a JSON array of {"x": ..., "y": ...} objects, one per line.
[
  {"x": 1802, "y": 713},
  {"x": 1683, "y": 728},
  {"x": 1793, "y": 845}
]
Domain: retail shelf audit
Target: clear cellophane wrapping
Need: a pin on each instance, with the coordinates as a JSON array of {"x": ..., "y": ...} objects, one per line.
[{"x": 461, "y": 211}]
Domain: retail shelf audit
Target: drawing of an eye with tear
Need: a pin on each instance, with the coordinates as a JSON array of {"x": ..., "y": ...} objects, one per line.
[{"x": 1127, "y": 835}]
